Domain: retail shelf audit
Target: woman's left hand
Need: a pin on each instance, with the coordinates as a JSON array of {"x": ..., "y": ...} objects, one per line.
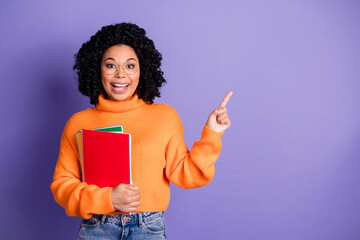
[{"x": 219, "y": 120}]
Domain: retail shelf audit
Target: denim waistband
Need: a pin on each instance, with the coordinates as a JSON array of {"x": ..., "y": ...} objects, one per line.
[{"x": 139, "y": 218}]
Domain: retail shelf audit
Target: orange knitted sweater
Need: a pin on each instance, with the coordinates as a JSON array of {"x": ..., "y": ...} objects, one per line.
[{"x": 159, "y": 155}]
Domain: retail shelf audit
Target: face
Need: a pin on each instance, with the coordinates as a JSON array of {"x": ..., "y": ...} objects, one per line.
[{"x": 119, "y": 86}]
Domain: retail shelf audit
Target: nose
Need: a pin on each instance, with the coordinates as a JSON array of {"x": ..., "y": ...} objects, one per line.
[{"x": 120, "y": 72}]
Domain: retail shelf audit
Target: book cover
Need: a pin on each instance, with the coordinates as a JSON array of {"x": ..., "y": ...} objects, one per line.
[{"x": 105, "y": 157}]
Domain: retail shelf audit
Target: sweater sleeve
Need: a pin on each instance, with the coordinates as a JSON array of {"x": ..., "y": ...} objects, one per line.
[
  {"x": 78, "y": 198},
  {"x": 195, "y": 168}
]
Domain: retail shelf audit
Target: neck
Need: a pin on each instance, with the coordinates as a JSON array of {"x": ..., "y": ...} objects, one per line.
[{"x": 119, "y": 106}]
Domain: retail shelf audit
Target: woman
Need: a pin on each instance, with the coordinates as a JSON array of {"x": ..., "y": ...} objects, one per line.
[{"x": 119, "y": 70}]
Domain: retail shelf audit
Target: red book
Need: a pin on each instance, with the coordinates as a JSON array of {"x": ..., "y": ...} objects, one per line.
[{"x": 105, "y": 157}]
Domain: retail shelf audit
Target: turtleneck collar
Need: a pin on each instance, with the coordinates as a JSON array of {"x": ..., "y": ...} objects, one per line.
[{"x": 119, "y": 106}]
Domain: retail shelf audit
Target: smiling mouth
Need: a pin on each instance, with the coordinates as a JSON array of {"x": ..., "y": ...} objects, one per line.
[
  {"x": 118, "y": 85},
  {"x": 120, "y": 88}
]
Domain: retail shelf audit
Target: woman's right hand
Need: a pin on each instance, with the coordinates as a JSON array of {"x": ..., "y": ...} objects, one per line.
[{"x": 125, "y": 197}]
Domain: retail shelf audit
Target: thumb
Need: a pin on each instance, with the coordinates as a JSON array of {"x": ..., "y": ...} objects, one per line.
[
  {"x": 128, "y": 186},
  {"x": 214, "y": 113},
  {"x": 132, "y": 187}
]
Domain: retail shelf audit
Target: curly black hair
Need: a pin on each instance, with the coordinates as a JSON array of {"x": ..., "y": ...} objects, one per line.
[{"x": 88, "y": 61}]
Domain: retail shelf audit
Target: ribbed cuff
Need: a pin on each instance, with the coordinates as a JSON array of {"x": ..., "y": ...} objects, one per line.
[
  {"x": 108, "y": 206},
  {"x": 208, "y": 132}
]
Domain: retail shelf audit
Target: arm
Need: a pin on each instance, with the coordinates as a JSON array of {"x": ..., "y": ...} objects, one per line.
[
  {"x": 78, "y": 198},
  {"x": 196, "y": 168}
]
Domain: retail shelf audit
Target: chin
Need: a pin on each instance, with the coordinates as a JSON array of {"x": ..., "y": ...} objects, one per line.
[{"x": 117, "y": 97}]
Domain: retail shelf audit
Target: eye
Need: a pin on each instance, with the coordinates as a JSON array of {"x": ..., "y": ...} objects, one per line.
[
  {"x": 130, "y": 66},
  {"x": 110, "y": 65}
]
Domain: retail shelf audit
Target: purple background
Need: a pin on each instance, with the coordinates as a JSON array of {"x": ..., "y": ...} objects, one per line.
[{"x": 289, "y": 167}]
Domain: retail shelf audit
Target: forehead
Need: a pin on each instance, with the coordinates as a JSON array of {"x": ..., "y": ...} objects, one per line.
[{"x": 120, "y": 53}]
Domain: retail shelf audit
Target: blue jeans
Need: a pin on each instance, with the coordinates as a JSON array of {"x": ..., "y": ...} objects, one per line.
[{"x": 143, "y": 226}]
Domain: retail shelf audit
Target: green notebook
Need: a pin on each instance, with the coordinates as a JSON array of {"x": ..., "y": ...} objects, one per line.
[{"x": 117, "y": 128}]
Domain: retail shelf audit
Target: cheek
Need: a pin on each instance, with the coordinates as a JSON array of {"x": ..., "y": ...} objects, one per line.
[
  {"x": 136, "y": 80},
  {"x": 105, "y": 84},
  {"x": 104, "y": 80}
]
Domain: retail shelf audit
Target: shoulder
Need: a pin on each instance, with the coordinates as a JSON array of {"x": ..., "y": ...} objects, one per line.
[
  {"x": 163, "y": 106},
  {"x": 74, "y": 122},
  {"x": 163, "y": 109},
  {"x": 82, "y": 115},
  {"x": 165, "y": 115},
  {"x": 73, "y": 125}
]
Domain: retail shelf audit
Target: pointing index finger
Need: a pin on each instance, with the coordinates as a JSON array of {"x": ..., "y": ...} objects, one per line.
[{"x": 226, "y": 99}]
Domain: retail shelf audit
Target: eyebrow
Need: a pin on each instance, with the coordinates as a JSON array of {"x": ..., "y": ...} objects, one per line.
[{"x": 110, "y": 58}]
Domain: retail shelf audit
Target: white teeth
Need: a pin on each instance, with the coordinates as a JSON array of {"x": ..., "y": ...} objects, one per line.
[{"x": 120, "y": 85}]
